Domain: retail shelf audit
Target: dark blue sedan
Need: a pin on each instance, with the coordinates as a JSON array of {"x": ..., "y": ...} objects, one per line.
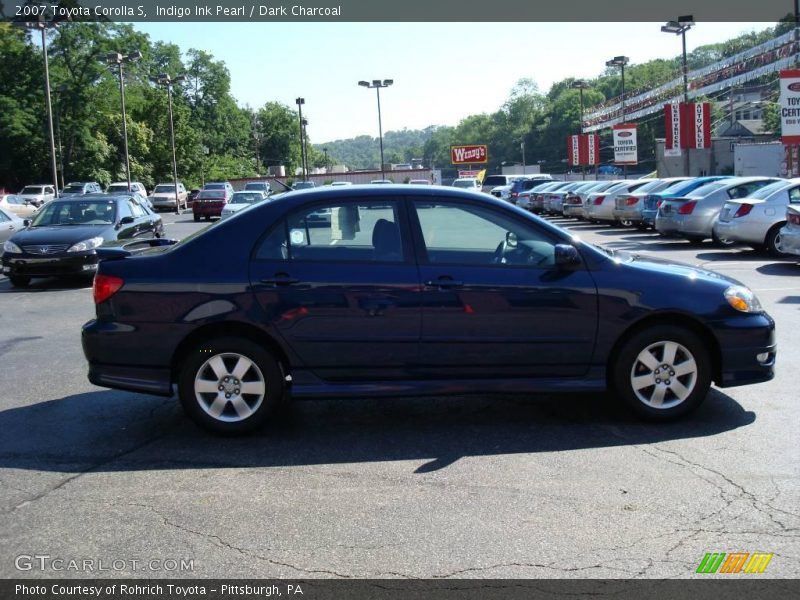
[{"x": 407, "y": 291}]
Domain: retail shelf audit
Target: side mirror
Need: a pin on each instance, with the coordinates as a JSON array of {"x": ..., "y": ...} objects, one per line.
[
  {"x": 511, "y": 239},
  {"x": 26, "y": 222},
  {"x": 126, "y": 220},
  {"x": 566, "y": 255}
]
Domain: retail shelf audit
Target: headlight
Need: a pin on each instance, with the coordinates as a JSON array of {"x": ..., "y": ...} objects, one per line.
[
  {"x": 11, "y": 247},
  {"x": 742, "y": 299},
  {"x": 86, "y": 245}
]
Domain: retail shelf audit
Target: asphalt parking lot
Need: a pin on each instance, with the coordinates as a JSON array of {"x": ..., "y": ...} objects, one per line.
[{"x": 483, "y": 486}]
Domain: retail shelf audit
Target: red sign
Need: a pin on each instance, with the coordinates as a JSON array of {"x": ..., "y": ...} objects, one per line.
[
  {"x": 687, "y": 126},
  {"x": 467, "y": 155},
  {"x": 473, "y": 173},
  {"x": 583, "y": 149}
]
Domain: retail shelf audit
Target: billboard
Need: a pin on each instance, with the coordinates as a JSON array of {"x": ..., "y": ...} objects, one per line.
[
  {"x": 625, "y": 149},
  {"x": 467, "y": 155},
  {"x": 790, "y": 106},
  {"x": 686, "y": 126}
]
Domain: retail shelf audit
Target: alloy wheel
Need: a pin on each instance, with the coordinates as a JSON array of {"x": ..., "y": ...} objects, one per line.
[
  {"x": 664, "y": 374},
  {"x": 229, "y": 387}
]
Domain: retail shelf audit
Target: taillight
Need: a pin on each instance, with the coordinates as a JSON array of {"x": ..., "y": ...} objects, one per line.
[
  {"x": 687, "y": 208},
  {"x": 105, "y": 286},
  {"x": 793, "y": 218},
  {"x": 631, "y": 201},
  {"x": 659, "y": 203},
  {"x": 514, "y": 194},
  {"x": 744, "y": 209},
  {"x": 599, "y": 200}
]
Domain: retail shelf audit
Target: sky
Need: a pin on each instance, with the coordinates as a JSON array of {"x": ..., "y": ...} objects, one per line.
[{"x": 442, "y": 72}]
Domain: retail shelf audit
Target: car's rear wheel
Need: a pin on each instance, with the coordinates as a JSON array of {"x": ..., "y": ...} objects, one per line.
[
  {"x": 230, "y": 385},
  {"x": 196, "y": 218},
  {"x": 662, "y": 373},
  {"x": 773, "y": 240},
  {"x": 19, "y": 281}
]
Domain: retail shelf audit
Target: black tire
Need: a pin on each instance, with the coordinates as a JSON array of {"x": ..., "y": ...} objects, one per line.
[
  {"x": 695, "y": 239},
  {"x": 196, "y": 218},
  {"x": 262, "y": 368},
  {"x": 208, "y": 217},
  {"x": 19, "y": 281},
  {"x": 653, "y": 344},
  {"x": 625, "y": 223},
  {"x": 773, "y": 239}
]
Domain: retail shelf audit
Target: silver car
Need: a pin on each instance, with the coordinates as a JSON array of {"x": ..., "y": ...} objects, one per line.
[
  {"x": 163, "y": 196},
  {"x": 38, "y": 194},
  {"x": 790, "y": 234},
  {"x": 758, "y": 219},
  {"x": 575, "y": 202},
  {"x": 9, "y": 225},
  {"x": 600, "y": 205},
  {"x": 693, "y": 216},
  {"x": 242, "y": 200}
]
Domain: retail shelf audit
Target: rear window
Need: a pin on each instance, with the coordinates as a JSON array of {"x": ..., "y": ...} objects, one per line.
[
  {"x": 31, "y": 189},
  {"x": 76, "y": 187},
  {"x": 766, "y": 191},
  {"x": 211, "y": 194},
  {"x": 119, "y": 187},
  {"x": 246, "y": 198},
  {"x": 705, "y": 190},
  {"x": 214, "y": 186},
  {"x": 164, "y": 189},
  {"x": 495, "y": 180}
]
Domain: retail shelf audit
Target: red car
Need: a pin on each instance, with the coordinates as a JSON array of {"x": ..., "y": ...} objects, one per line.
[{"x": 209, "y": 203}]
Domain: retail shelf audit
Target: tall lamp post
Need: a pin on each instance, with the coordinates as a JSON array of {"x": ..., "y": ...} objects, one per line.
[
  {"x": 680, "y": 27},
  {"x": 165, "y": 80},
  {"x": 304, "y": 123},
  {"x": 580, "y": 85},
  {"x": 43, "y": 25},
  {"x": 300, "y": 102},
  {"x": 115, "y": 58},
  {"x": 378, "y": 84},
  {"x": 621, "y": 61}
]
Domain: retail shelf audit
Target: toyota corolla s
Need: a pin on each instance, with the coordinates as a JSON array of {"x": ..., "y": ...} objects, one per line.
[{"x": 408, "y": 291}]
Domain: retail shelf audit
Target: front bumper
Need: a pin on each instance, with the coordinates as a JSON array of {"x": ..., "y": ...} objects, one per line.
[
  {"x": 747, "y": 350},
  {"x": 790, "y": 240},
  {"x": 164, "y": 202},
  {"x": 61, "y": 265}
]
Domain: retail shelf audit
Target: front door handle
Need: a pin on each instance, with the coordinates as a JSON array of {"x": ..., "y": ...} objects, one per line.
[
  {"x": 280, "y": 279},
  {"x": 444, "y": 282}
]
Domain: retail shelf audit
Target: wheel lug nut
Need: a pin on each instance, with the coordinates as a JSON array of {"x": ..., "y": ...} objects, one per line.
[
  {"x": 221, "y": 388},
  {"x": 658, "y": 371},
  {"x": 658, "y": 381},
  {"x": 236, "y": 391},
  {"x": 672, "y": 373},
  {"x": 227, "y": 395},
  {"x": 667, "y": 382}
]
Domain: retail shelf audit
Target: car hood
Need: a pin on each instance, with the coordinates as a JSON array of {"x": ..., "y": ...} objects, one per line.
[
  {"x": 61, "y": 234},
  {"x": 654, "y": 264},
  {"x": 164, "y": 195}
]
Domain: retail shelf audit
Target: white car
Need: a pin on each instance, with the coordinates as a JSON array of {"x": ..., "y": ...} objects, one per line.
[
  {"x": 122, "y": 186},
  {"x": 758, "y": 219},
  {"x": 38, "y": 194},
  {"x": 17, "y": 205},
  {"x": 163, "y": 196},
  {"x": 240, "y": 201},
  {"x": 790, "y": 233},
  {"x": 468, "y": 183}
]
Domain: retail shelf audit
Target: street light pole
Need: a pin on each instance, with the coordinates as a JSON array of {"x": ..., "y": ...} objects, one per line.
[
  {"x": 680, "y": 27},
  {"x": 304, "y": 123},
  {"x": 378, "y": 84},
  {"x": 115, "y": 58},
  {"x": 166, "y": 81},
  {"x": 581, "y": 85},
  {"x": 300, "y": 102},
  {"x": 621, "y": 61}
]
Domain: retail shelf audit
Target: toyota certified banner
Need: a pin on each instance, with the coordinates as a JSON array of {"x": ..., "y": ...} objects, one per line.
[
  {"x": 625, "y": 151},
  {"x": 790, "y": 106}
]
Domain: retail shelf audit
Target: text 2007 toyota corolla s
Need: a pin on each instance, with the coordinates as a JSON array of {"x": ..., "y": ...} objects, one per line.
[{"x": 393, "y": 290}]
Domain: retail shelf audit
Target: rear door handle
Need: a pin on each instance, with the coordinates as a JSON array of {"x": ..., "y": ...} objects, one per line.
[
  {"x": 444, "y": 283},
  {"x": 280, "y": 280}
]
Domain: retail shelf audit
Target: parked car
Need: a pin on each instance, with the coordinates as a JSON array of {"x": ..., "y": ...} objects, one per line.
[
  {"x": 209, "y": 203},
  {"x": 63, "y": 237},
  {"x": 758, "y": 219},
  {"x": 190, "y": 197},
  {"x": 537, "y": 199},
  {"x": 18, "y": 205},
  {"x": 790, "y": 233},
  {"x": 693, "y": 216},
  {"x": 305, "y": 185},
  {"x": 9, "y": 225},
  {"x": 220, "y": 185},
  {"x": 122, "y": 186},
  {"x": 242, "y": 200},
  {"x": 511, "y": 192},
  {"x": 467, "y": 183},
  {"x": 654, "y": 200},
  {"x": 440, "y": 292},
  {"x": 163, "y": 196},
  {"x": 525, "y": 198},
  {"x": 491, "y": 182},
  {"x": 553, "y": 202},
  {"x": 38, "y": 194},
  {"x": 82, "y": 187},
  {"x": 628, "y": 208},
  {"x": 600, "y": 205},
  {"x": 573, "y": 200},
  {"x": 258, "y": 186}
]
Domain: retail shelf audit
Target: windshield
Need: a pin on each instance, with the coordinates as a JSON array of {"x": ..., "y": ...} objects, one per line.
[
  {"x": 31, "y": 189},
  {"x": 256, "y": 186},
  {"x": 74, "y": 188},
  {"x": 211, "y": 194},
  {"x": 767, "y": 191},
  {"x": 118, "y": 187},
  {"x": 464, "y": 183},
  {"x": 246, "y": 198},
  {"x": 164, "y": 189},
  {"x": 97, "y": 212},
  {"x": 302, "y": 185},
  {"x": 214, "y": 186},
  {"x": 495, "y": 180}
]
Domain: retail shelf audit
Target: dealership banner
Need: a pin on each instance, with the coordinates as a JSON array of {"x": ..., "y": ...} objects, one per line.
[
  {"x": 625, "y": 150},
  {"x": 467, "y": 155},
  {"x": 699, "y": 124},
  {"x": 672, "y": 127},
  {"x": 583, "y": 149},
  {"x": 790, "y": 106}
]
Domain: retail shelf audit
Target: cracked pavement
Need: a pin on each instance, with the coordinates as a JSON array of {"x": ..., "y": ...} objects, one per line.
[{"x": 471, "y": 487}]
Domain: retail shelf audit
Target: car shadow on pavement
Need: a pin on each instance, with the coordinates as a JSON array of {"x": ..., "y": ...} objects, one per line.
[
  {"x": 791, "y": 268},
  {"x": 50, "y": 284},
  {"x": 112, "y": 431}
]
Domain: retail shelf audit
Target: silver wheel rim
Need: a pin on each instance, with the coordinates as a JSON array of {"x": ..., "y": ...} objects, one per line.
[
  {"x": 229, "y": 387},
  {"x": 664, "y": 375}
]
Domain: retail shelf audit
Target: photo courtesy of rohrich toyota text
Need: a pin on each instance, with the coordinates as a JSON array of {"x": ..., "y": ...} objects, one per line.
[{"x": 352, "y": 299}]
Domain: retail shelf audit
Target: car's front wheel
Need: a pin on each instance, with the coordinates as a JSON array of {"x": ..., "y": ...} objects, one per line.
[
  {"x": 230, "y": 385},
  {"x": 19, "y": 281},
  {"x": 772, "y": 242},
  {"x": 662, "y": 372}
]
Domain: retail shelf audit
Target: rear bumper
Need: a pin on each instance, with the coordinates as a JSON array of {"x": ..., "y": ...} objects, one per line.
[
  {"x": 207, "y": 210},
  {"x": 573, "y": 210}
]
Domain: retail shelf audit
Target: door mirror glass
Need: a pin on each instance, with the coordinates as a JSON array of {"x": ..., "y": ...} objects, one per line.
[
  {"x": 566, "y": 255},
  {"x": 126, "y": 220}
]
